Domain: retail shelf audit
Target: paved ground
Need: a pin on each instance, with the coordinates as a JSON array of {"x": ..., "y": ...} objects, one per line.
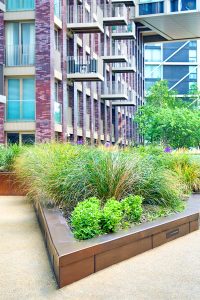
[{"x": 169, "y": 272}]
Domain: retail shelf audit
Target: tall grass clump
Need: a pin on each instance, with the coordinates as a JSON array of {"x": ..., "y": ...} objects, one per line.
[
  {"x": 188, "y": 170},
  {"x": 8, "y": 156},
  {"x": 67, "y": 174},
  {"x": 40, "y": 169},
  {"x": 186, "y": 167}
]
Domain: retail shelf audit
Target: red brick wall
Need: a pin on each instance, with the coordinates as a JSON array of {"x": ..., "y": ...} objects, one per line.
[
  {"x": 44, "y": 27},
  {"x": 2, "y": 106}
]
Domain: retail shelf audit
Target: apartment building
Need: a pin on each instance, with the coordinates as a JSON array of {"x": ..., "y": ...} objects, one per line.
[
  {"x": 176, "y": 62},
  {"x": 168, "y": 20},
  {"x": 71, "y": 70}
]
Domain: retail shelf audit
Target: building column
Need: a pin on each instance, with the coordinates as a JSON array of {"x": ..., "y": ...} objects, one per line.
[
  {"x": 63, "y": 93},
  {"x": 2, "y": 48},
  {"x": 44, "y": 28}
]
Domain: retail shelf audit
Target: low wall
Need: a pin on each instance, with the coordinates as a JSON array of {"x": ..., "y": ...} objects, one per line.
[
  {"x": 73, "y": 260},
  {"x": 9, "y": 186}
]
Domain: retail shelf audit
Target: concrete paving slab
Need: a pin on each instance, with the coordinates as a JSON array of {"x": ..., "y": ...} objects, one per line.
[{"x": 171, "y": 271}]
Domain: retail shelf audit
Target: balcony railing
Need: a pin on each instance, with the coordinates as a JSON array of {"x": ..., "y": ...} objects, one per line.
[
  {"x": 125, "y": 32},
  {"x": 20, "y": 110},
  {"x": 125, "y": 67},
  {"x": 85, "y": 19},
  {"x": 131, "y": 101},
  {"x": 114, "y": 91},
  {"x": 20, "y": 55},
  {"x": 20, "y": 5},
  {"x": 118, "y": 53},
  {"x": 166, "y": 6},
  {"x": 114, "y": 14},
  {"x": 126, "y": 2},
  {"x": 57, "y": 8},
  {"x": 57, "y": 113},
  {"x": 119, "y": 48},
  {"x": 84, "y": 69}
]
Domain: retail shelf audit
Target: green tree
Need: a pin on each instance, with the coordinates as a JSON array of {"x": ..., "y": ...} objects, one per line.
[{"x": 167, "y": 119}]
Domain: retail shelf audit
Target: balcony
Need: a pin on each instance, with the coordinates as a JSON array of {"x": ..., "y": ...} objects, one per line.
[
  {"x": 82, "y": 19},
  {"x": 170, "y": 19},
  {"x": 115, "y": 15},
  {"x": 84, "y": 69},
  {"x": 130, "y": 102},
  {"x": 57, "y": 113},
  {"x": 13, "y": 5},
  {"x": 128, "y": 3},
  {"x": 128, "y": 67},
  {"x": 126, "y": 32},
  {"x": 115, "y": 91},
  {"x": 118, "y": 54},
  {"x": 20, "y": 55}
]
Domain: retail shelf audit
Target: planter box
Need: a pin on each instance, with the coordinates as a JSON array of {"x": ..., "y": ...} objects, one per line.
[
  {"x": 9, "y": 186},
  {"x": 73, "y": 260}
]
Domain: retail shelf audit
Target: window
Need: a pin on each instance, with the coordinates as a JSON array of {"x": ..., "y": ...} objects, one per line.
[
  {"x": 78, "y": 109},
  {"x": 20, "y": 138},
  {"x": 192, "y": 55},
  {"x": 15, "y": 5},
  {"x": 56, "y": 91},
  {"x": 193, "y": 73},
  {"x": 147, "y": 7},
  {"x": 20, "y": 44},
  {"x": 188, "y": 5},
  {"x": 153, "y": 71},
  {"x": 193, "y": 44},
  {"x": 57, "y": 8},
  {"x": 21, "y": 99},
  {"x": 57, "y": 105},
  {"x": 56, "y": 39},
  {"x": 153, "y": 54},
  {"x": 182, "y": 5}
]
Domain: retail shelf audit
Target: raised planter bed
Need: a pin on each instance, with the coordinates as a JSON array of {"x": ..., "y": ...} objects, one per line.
[
  {"x": 73, "y": 260},
  {"x": 9, "y": 186}
]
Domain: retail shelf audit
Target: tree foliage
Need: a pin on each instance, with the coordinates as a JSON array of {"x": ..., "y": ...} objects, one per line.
[{"x": 167, "y": 119}]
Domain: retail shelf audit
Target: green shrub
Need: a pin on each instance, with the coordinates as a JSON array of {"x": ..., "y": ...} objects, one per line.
[
  {"x": 132, "y": 208},
  {"x": 85, "y": 219},
  {"x": 8, "y": 156},
  {"x": 111, "y": 216}
]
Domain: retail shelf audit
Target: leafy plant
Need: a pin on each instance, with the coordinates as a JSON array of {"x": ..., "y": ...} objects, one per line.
[
  {"x": 132, "y": 208},
  {"x": 165, "y": 119},
  {"x": 111, "y": 216},
  {"x": 85, "y": 219}
]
